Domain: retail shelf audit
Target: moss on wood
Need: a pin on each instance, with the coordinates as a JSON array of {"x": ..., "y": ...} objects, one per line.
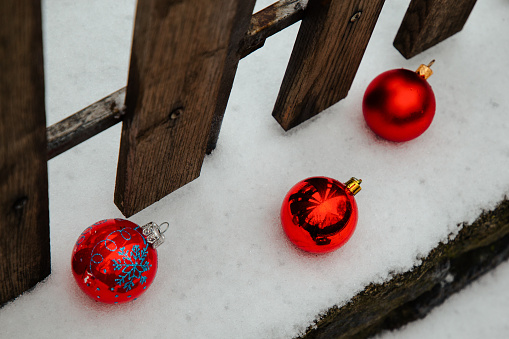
[{"x": 411, "y": 295}]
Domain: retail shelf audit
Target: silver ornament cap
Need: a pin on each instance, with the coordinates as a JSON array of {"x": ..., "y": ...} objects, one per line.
[{"x": 154, "y": 233}]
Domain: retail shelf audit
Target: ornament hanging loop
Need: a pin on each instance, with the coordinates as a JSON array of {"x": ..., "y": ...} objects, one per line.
[
  {"x": 165, "y": 229},
  {"x": 153, "y": 233}
]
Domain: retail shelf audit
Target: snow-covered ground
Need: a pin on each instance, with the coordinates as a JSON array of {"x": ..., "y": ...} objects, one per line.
[
  {"x": 227, "y": 269},
  {"x": 478, "y": 311}
]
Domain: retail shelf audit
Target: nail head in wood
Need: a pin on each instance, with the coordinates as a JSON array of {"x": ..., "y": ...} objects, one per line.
[
  {"x": 356, "y": 16},
  {"x": 176, "y": 113},
  {"x": 20, "y": 204}
]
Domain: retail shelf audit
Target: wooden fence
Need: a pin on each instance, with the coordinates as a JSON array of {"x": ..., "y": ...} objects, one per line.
[{"x": 183, "y": 62}]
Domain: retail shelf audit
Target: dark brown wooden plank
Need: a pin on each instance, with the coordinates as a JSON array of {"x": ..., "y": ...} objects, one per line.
[
  {"x": 86, "y": 123},
  {"x": 109, "y": 111},
  {"x": 24, "y": 218},
  {"x": 427, "y": 22},
  {"x": 330, "y": 44},
  {"x": 264, "y": 23},
  {"x": 180, "y": 63}
]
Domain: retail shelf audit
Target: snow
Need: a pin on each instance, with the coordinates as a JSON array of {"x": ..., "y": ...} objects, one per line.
[
  {"x": 227, "y": 269},
  {"x": 478, "y": 311}
]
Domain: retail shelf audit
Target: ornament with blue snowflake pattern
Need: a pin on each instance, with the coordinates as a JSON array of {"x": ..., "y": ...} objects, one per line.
[{"x": 113, "y": 262}]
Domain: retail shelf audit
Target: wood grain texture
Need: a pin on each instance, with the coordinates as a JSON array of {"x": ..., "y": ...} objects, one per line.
[
  {"x": 240, "y": 26},
  {"x": 180, "y": 63},
  {"x": 24, "y": 217},
  {"x": 327, "y": 52},
  {"x": 264, "y": 23},
  {"x": 110, "y": 110},
  {"x": 86, "y": 123},
  {"x": 428, "y": 22}
]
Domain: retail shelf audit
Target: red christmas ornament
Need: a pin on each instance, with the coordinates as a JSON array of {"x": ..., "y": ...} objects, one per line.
[
  {"x": 115, "y": 260},
  {"x": 319, "y": 214},
  {"x": 399, "y": 104}
]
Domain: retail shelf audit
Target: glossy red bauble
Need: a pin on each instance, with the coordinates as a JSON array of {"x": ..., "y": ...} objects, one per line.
[
  {"x": 319, "y": 214},
  {"x": 113, "y": 262},
  {"x": 399, "y": 105}
]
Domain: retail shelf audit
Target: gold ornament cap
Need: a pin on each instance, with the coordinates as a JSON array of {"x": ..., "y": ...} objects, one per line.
[
  {"x": 424, "y": 71},
  {"x": 353, "y": 185}
]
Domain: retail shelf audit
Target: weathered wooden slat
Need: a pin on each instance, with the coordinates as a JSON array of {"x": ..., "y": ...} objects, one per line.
[
  {"x": 428, "y": 22},
  {"x": 264, "y": 23},
  {"x": 109, "y": 111},
  {"x": 330, "y": 44},
  {"x": 86, "y": 123},
  {"x": 180, "y": 62},
  {"x": 24, "y": 217}
]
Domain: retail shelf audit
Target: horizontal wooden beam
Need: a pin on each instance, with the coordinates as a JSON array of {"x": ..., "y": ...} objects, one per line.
[
  {"x": 110, "y": 110},
  {"x": 271, "y": 20},
  {"x": 86, "y": 123}
]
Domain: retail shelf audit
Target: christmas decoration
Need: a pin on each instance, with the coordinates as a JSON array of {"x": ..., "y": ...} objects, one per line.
[
  {"x": 115, "y": 260},
  {"x": 399, "y": 104},
  {"x": 319, "y": 214}
]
